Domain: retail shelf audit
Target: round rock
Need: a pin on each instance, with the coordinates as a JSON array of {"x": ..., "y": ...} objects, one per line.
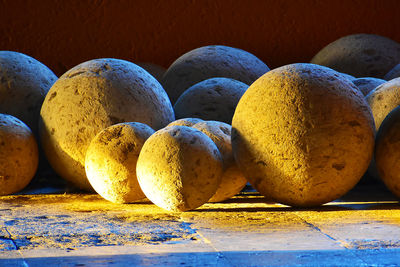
[
  {"x": 179, "y": 168},
  {"x": 302, "y": 135},
  {"x": 367, "y": 84},
  {"x": 384, "y": 99},
  {"x": 90, "y": 97},
  {"x": 387, "y": 151},
  {"x": 211, "y": 99},
  {"x": 111, "y": 161},
  {"x": 18, "y": 155},
  {"x": 360, "y": 55},
  {"x": 232, "y": 180},
  {"x": 24, "y": 83},
  {"x": 208, "y": 62}
]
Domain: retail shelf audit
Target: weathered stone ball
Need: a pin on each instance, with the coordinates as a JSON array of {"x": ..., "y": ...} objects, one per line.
[
  {"x": 232, "y": 180},
  {"x": 360, "y": 55},
  {"x": 303, "y": 135},
  {"x": 387, "y": 151},
  {"x": 211, "y": 99},
  {"x": 185, "y": 122},
  {"x": 367, "y": 84},
  {"x": 208, "y": 62},
  {"x": 90, "y": 97},
  {"x": 384, "y": 99},
  {"x": 111, "y": 159},
  {"x": 24, "y": 83},
  {"x": 18, "y": 155},
  {"x": 179, "y": 168}
]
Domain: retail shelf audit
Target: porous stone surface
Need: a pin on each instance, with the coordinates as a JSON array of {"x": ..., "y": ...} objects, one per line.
[
  {"x": 393, "y": 73},
  {"x": 232, "y": 180},
  {"x": 360, "y": 55},
  {"x": 24, "y": 83},
  {"x": 90, "y": 97},
  {"x": 387, "y": 151},
  {"x": 211, "y": 99},
  {"x": 185, "y": 122},
  {"x": 367, "y": 84},
  {"x": 302, "y": 135},
  {"x": 19, "y": 156},
  {"x": 208, "y": 62},
  {"x": 111, "y": 158},
  {"x": 179, "y": 168},
  {"x": 384, "y": 99}
]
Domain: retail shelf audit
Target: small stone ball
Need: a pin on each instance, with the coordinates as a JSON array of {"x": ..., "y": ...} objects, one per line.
[
  {"x": 179, "y": 168},
  {"x": 367, "y": 84},
  {"x": 387, "y": 151},
  {"x": 24, "y": 83},
  {"x": 211, "y": 99},
  {"x": 232, "y": 180},
  {"x": 303, "y": 135},
  {"x": 19, "y": 155},
  {"x": 393, "y": 73},
  {"x": 90, "y": 97},
  {"x": 111, "y": 158},
  {"x": 360, "y": 55},
  {"x": 185, "y": 122},
  {"x": 208, "y": 62},
  {"x": 384, "y": 99}
]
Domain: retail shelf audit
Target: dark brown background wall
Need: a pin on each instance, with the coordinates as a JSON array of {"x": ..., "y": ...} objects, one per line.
[{"x": 65, "y": 33}]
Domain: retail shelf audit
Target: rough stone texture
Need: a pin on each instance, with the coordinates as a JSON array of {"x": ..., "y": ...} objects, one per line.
[
  {"x": 361, "y": 55},
  {"x": 208, "y": 62},
  {"x": 393, "y": 73},
  {"x": 211, "y": 99},
  {"x": 302, "y": 135},
  {"x": 367, "y": 84},
  {"x": 232, "y": 180},
  {"x": 111, "y": 158},
  {"x": 384, "y": 99},
  {"x": 179, "y": 168},
  {"x": 91, "y": 97},
  {"x": 24, "y": 83},
  {"x": 185, "y": 122},
  {"x": 18, "y": 155},
  {"x": 387, "y": 151},
  {"x": 155, "y": 70}
]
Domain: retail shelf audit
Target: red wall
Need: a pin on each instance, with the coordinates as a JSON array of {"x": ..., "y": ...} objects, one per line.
[{"x": 64, "y": 33}]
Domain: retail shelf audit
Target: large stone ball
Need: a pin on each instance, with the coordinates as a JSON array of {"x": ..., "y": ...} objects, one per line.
[
  {"x": 387, "y": 151},
  {"x": 24, "y": 83},
  {"x": 361, "y": 55},
  {"x": 232, "y": 179},
  {"x": 303, "y": 135},
  {"x": 211, "y": 99},
  {"x": 208, "y": 62},
  {"x": 18, "y": 155},
  {"x": 90, "y": 97},
  {"x": 179, "y": 168},
  {"x": 111, "y": 161},
  {"x": 384, "y": 99}
]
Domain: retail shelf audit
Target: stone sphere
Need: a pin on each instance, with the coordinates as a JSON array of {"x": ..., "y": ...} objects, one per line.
[
  {"x": 185, "y": 122},
  {"x": 19, "y": 155},
  {"x": 208, "y": 62},
  {"x": 232, "y": 179},
  {"x": 24, "y": 83},
  {"x": 384, "y": 99},
  {"x": 360, "y": 55},
  {"x": 303, "y": 135},
  {"x": 393, "y": 73},
  {"x": 179, "y": 168},
  {"x": 387, "y": 151},
  {"x": 111, "y": 161},
  {"x": 90, "y": 97},
  {"x": 211, "y": 99},
  {"x": 367, "y": 84}
]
